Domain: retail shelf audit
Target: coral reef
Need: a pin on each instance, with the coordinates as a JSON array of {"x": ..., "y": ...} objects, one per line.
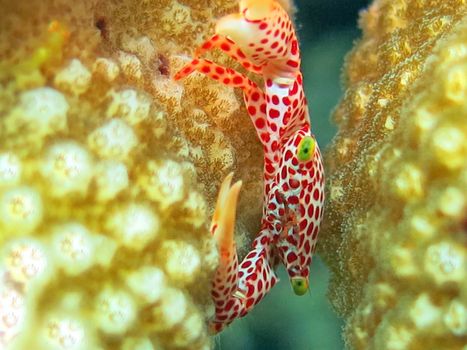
[
  {"x": 108, "y": 174},
  {"x": 395, "y": 225}
]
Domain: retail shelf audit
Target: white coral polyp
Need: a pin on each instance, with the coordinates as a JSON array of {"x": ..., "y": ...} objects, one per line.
[
  {"x": 111, "y": 178},
  {"x": 195, "y": 209},
  {"x": 134, "y": 226},
  {"x": 114, "y": 311},
  {"x": 446, "y": 262},
  {"x": 170, "y": 311},
  {"x": 105, "y": 249},
  {"x": 137, "y": 344},
  {"x": 21, "y": 210},
  {"x": 164, "y": 183},
  {"x": 423, "y": 312},
  {"x": 26, "y": 262},
  {"x": 130, "y": 65},
  {"x": 113, "y": 140},
  {"x": 190, "y": 330},
  {"x": 65, "y": 334},
  {"x": 448, "y": 144},
  {"x": 74, "y": 78},
  {"x": 130, "y": 105},
  {"x": 73, "y": 247},
  {"x": 106, "y": 68},
  {"x": 183, "y": 261},
  {"x": 68, "y": 167},
  {"x": 10, "y": 169},
  {"x": 12, "y": 314},
  {"x": 147, "y": 283},
  {"x": 44, "y": 110},
  {"x": 455, "y": 317}
]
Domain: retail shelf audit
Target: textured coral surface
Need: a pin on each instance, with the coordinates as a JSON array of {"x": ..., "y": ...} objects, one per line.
[
  {"x": 108, "y": 174},
  {"x": 395, "y": 227}
]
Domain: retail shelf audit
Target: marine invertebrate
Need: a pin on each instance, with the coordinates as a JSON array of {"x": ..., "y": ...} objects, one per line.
[
  {"x": 105, "y": 188},
  {"x": 395, "y": 227},
  {"x": 261, "y": 37}
]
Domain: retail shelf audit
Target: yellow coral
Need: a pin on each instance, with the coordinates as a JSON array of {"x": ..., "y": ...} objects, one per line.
[
  {"x": 395, "y": 227},
  {"x": 108, "y": 173}
]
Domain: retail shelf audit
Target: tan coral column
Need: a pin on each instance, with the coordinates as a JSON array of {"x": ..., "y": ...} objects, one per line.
[{"x": 394, "y": 233}]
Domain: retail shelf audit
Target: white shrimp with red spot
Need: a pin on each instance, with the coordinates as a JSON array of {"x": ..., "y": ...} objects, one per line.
[{"x": 262, "y": 38}]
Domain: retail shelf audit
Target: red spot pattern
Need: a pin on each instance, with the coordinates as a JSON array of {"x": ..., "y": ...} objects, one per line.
[
  {"x": 273, "y": 113},
  {"x": 237, "y": 80},
  {"x": 260, "y": 123},
  {"x": 291, "y": 257},
  {"x": 293, "y": 200},
  {"x": 292, "y": 63},
  {"x": 269, "y": 168},
  {"x": 294, "y": 47},
  {"x": 316, "y": 194},
  {"x": 294, "y": 183},
  {"x": 240, "y": 54},
  {"x": 292, "y": 215}
]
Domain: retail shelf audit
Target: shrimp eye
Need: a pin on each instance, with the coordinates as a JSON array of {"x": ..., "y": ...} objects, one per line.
[
  {"x": 299, "y": 285},
  {"x": 306, "y": 149}
]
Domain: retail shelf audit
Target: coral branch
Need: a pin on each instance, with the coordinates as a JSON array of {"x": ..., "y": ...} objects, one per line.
[{"x": 395, "y": 228}]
